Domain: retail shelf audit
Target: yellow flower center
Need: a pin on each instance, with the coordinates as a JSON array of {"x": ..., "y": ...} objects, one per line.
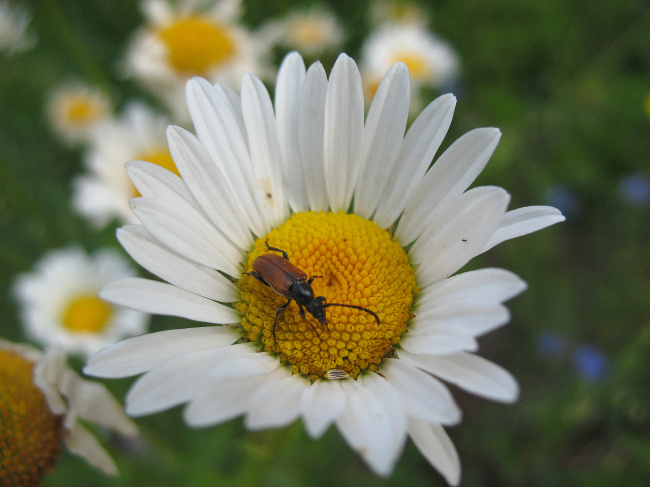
[
  {"x": 196, "y": 45},
  {"x": 30, "y": 435},
  {"x": 359, "y": 264},
  {"x": 87, "y": 313},
  {"x": 415, "y": 62},
  {"x": 82, "y": 110},
  {"x": 160, "y": 157},
  {"x": 307, "y": 33}
]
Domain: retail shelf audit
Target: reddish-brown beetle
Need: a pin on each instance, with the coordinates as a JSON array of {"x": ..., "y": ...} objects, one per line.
[{"x": 288, "y": 280}]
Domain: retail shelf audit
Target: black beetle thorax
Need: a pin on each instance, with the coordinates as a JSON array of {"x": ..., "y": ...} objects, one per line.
[{"x": 301, "y": 292}]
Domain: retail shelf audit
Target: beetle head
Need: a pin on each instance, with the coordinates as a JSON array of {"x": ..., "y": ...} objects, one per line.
[{"x": 315, "y": 307}]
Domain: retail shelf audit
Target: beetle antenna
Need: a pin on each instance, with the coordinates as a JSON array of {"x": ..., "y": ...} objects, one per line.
[{"x": 355, "y": 307}]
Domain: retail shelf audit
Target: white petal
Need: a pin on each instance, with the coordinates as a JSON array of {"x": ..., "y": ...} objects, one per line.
[
  {"x": 287, "y": 106},
  {"x": 160, "y": 298},
  {"x": 343, "y": 134},
  {"x": 449, "y": 177},
  {"x": 460, "y": 231},
  {"x": 221, "y": 401},
  {"x": 175, "y": 381},
  {"x": 173, "y": 268},
  {"x": 437, "y": 448},
  {"x": 188, "y": 233},
  {"x": 242, "y": 361},
  {"x": 473, "y": 318},
  {"x": 265, "y": 154},
  {"x": 391, "y": 400},
  {"x": 81, "y": 442},
  {"x": 92, "y": 402},
  {"x": 424, "y": 397},
  {"x": 523, "y": 221},
  {"x": 218, "y": 129},
  {"x": 418, "y": 148},
  {"x": 366, "y": 426},
  {"x": 311, "y": 121},
  {"x": 320, "y": 405},
  {"x": 208, "y": 185},
  {"x": 152, "y": 180},
  {"x": 145, "y": 352},
  {"x": 276, "y": 403},
  {"x": 469, "y": 372},
  {"x": 383, "y": 136},
  {"x": 483, "y": 285},
  {"x": 439, "y": 343}
]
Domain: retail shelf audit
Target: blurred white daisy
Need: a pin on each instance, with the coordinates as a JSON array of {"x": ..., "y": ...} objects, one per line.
[
  {"x": 103, "y": 193},
  {"x": 60, "y": 303},
  {"x": 75, "y": 109},
  {"x": 289, "y": 177},
  {"x": 311, "y": 31},
  {"x": 432, "y": 63},
  {"x": 15, "y": 35},
  {"x": 190, "y": 38},
  {"x": 397, "y": 12},
  {"x": 41, "y": 403}
]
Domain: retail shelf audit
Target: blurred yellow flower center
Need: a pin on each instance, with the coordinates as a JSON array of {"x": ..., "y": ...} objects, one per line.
[
  {"x": 196, "y": 45},
  {"x": 359, "y": 264},
  {"x": 82, "y": 110},
  {"x": 307, "y": 32},
  {"x": 415, "y": 62},
  {"x": 160, "y": 157},
  {"x": 30, "y": 434},
  {"x": 87, "y": 313}
]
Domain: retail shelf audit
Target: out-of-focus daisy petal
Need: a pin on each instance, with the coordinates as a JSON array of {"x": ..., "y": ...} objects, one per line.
[{"x": 320, "y": 405}]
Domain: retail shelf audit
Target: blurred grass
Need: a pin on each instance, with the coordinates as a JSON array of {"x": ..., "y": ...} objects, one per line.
[{"x": 565, "y": 81}]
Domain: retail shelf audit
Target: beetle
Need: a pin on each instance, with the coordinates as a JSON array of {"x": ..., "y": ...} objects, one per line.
[{"x": 291, "y": 282}]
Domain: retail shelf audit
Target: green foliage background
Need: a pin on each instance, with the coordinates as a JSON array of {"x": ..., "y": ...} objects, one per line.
[{"x": 566, "y": 82}]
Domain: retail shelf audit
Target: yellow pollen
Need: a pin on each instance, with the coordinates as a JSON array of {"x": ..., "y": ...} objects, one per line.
[
  {"x": 160, "y": 157},
  {"x": 87, "y": 313},
  {"x": 30, "y": 434},
  {"x": 196, "y": 45},
  {"x": 415, "y": 62},
  {"x": 360, "y": 265}
]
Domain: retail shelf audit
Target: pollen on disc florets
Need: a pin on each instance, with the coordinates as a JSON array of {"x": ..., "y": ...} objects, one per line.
[
  {"x": 30, "y": 434},
  {"x": 360, "y": 265}
]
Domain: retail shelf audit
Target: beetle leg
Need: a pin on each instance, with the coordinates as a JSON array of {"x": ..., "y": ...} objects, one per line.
[
  {"x": 256, "y": 276},
  {"x": 284, "y": 254},
  {"x": 277, "y": 315},
  {"x": 311, "y": 279},
  {"x": 302, "y": 314}
]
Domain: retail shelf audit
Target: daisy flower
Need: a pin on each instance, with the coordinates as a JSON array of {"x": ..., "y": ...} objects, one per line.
[
  {"x": 75, "y": 109},
  {"x": 397, "y": 12},
  {"x": 14, "y": 23},
  {"x": 60, "y": 303},
  {"x": 310, "y": 31},
  {"x": 432, "y": 63},
  {"x": 41, "y": 404},
  {"x": 181, "y": 40},
  {"x": 355, "y": 208},
  {"x": 103, "y": 194}
]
